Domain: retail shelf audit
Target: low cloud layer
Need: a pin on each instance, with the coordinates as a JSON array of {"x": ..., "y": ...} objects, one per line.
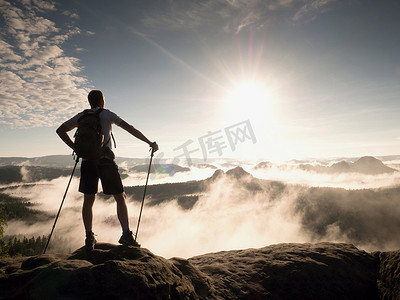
[
  {"x": 235, "y": 211},
  {"x": 39, "y": 81},
  {"x": 294, "y": 175}
]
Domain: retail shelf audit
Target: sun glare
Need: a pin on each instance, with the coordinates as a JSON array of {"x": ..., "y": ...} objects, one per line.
[
  {"x": 257, "y": 102},
  {"x": 249, "y": 100}
]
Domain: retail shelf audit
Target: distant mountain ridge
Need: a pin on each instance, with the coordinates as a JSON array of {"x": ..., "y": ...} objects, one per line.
[
  {"x": 368, "y": 165},
  {"x": 365, "y": 165},
  {"x": 63, "y": 161},
  {"x": 31, "y": 174},
  {"x": 56, "y": 161},
  {"x": 22, "y": 169}
]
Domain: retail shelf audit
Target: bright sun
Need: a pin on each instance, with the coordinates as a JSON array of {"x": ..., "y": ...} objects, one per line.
[
  {"x": 249, "y": 100},
  {"x": 256, "y": 101}
]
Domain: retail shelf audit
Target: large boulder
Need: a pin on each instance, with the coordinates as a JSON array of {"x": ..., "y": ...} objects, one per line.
[
  {"x": 107, "y": 272},
  {"x": 292, "y": 271}
]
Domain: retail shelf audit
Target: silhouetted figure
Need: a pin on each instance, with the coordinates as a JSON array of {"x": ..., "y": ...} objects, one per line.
[{"x": 102, "y": 167}]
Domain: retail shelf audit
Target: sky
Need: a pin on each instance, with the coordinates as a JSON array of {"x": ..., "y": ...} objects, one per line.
[{"x": 250, "y": 79}]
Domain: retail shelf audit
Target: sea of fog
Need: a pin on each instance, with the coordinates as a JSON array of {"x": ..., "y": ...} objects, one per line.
[{"x": 225, "y": 217}]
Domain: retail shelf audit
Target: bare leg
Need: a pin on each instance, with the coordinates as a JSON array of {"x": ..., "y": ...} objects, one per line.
[
  {"x": 87, "y": 211},
  {"x": 122, "y": 210}
]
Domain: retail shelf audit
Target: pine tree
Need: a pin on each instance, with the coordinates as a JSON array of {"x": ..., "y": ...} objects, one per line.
[{"x": 3, "y": 245}]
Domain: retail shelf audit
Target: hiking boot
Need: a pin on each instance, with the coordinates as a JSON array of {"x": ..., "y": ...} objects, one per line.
[
  {"x": 90, "y": 241},
  {"x": 128, "y": 240}
]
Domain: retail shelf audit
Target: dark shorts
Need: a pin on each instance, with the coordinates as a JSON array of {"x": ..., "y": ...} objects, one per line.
[{"x": 107, "y": 171}]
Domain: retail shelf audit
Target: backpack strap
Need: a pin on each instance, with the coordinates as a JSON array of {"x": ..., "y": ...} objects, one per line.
[
  {"x": 97, "y": 112},
  {"x": 112, "y": 136},
  {"x": 115, "y": 144}
]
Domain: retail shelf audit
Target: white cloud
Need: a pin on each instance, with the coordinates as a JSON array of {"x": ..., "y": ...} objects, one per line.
[
  {"x": 228, "y": 15},
  {"x": 40, "y": 84},
  {"x": 274, "y": 5},
  {"x": 6, "y": 53},
  {"x": 311, "y": 9},
  {"x": 233, "y": 15},
  {"x": 70, "y": 14},
  {"x": 39, "y": 4},
  {"x": 89, "y": 33},
  {"x": 79, "y": 50}
]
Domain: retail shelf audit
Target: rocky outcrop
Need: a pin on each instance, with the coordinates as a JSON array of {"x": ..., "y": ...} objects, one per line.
[
  {"x": 389, "y": 274},
  {"x": 283, "y": 271},
  {"x": 292, "y": 271},
  {"x": 107, "y": 272}
]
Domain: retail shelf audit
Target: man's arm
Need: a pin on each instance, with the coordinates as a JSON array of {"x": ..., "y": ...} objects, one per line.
[
  {"x": 136, "y": 133},
  {"x": 62, "y": 132}
]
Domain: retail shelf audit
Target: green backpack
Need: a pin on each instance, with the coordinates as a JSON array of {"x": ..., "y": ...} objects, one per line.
[{"x": 89, "y": 140}]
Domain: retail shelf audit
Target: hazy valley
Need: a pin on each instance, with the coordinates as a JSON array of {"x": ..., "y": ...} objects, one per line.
[{"x": 221, "y": 205}]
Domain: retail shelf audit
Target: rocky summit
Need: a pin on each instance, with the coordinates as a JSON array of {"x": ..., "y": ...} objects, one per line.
[{"x": 282, "y": 271}]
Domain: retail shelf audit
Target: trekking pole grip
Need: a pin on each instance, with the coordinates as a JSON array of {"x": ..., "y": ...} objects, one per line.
[{"x": 152, "y": 148}]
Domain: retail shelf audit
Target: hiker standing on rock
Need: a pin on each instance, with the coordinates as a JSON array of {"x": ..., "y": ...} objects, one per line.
[{"x": 93, "y": 145}]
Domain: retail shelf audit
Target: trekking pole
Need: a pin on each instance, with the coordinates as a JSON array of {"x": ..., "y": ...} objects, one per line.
[
  {"x": 144, "y": 194},
  {"x": 62, "y": 202}
]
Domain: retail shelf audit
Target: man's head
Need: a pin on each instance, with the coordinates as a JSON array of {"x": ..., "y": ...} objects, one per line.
[{"x": 96, "y": 99}]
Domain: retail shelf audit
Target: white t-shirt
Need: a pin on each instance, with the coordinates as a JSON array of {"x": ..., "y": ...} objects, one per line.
[{"x": 107, "y": 118}]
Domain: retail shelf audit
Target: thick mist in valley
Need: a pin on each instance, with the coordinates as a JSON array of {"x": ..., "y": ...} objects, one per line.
[{"x": 224, "y": 205}]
